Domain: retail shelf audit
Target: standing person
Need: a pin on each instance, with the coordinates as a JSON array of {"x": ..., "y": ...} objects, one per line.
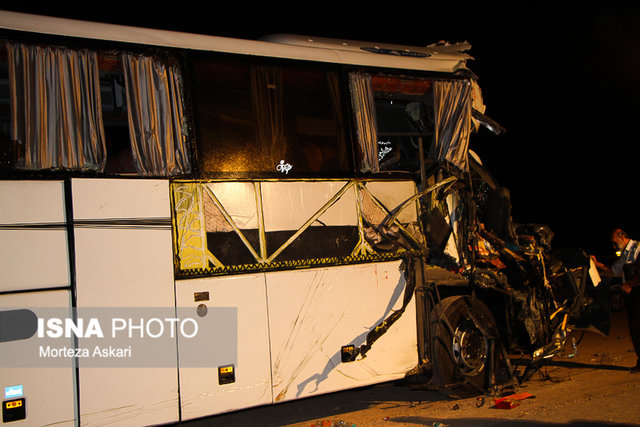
[{"x": 627, "y": 267}]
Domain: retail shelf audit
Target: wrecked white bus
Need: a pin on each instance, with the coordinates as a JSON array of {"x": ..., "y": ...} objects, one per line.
[{"x": 193, "y": 225}]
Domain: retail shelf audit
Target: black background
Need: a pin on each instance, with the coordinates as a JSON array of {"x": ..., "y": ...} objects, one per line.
[{"x": 564, "y": 83}]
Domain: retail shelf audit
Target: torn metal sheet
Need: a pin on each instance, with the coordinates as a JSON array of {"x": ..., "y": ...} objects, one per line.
[
  {"x": 288, "y": 205},
  {"x": 239, "y": 201},
  {"x": 487, "y": 122},
  {"x": 392, "y": 195}
]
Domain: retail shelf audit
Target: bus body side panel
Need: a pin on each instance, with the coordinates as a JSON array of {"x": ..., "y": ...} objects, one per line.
[
  {"x": 46, "y": 381},
  {"x": 314, "y": 313},
  {"x": 226, "y": 366},
  {"x": 34, "y": 256},
  {"x": 33, "y": 235},
  {"x": 124, "y": 260}
]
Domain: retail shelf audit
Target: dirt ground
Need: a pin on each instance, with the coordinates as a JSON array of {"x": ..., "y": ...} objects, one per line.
[{"x": 592, "y": 388}]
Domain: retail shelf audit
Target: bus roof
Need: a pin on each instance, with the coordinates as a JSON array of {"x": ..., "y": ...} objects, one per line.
[{"x": 439, "y": 58}]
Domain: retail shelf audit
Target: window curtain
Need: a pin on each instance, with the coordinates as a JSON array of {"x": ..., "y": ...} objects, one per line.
[
  {"x": 452, "y": 105},
  {"x": 56, "y": 117},
  {"x": 365, "y": 117},
  {"x": 156, "y": 118}
]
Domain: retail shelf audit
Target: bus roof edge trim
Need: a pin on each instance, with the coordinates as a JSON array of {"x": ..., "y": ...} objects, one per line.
[{"x": 440, "y": 58}]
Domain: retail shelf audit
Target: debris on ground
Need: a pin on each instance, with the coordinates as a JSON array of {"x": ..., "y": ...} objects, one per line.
[
  {"x": 602, "y": 357},
  {"x": 511, "y": 401},
  {"x": 329, "y": 423}
]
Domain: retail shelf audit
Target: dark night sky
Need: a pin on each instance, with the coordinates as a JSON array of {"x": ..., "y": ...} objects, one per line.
[{"x": 565, "y": 85}]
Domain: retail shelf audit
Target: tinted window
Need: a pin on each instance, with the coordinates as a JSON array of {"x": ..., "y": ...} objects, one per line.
[
  {"x": 114, "y": 116},
  {"x": 7, "y": 157},
  {"x": 285, "y": 121}
]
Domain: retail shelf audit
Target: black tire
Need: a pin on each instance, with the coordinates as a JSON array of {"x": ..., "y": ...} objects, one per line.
[{"x": 460, "y": 350}]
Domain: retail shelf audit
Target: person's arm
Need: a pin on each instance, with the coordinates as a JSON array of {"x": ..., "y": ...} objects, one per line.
[
  {"x": 600, "y": 266},
  {"x": 630, "y": 284},
  {"x": 633, "y": 273}
]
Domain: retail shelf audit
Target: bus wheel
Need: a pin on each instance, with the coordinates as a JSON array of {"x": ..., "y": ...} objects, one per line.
[{"x": 460, "y": 349}]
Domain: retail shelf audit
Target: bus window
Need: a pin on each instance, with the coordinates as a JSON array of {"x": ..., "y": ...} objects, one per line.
[
  {"x": 77, "y": 110},
  {"x": 393, "y": 114},
  {"x": 55, "y": 111},
  {"x": 263, "y": 119},
  {"x": 115, "y": 116},
  {"x": 143, "y": 111},
  {"x": 6, "y": 149},
  {"x": 404, "y": 113}
]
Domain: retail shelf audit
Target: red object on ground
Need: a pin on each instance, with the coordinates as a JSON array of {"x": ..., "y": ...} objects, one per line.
[
  {"x": 509, "y": 402},
  {"x": 506, "y": 404}
]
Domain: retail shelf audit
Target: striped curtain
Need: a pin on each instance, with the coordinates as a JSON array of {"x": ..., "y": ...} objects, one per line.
[
  {"x": 56, "y": 117},
  {"x": 452, "y": 106},
  {"x": 156, "y": 119},
  {"x": 365, "y": 118}
]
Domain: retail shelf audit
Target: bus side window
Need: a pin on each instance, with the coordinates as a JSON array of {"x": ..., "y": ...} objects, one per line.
[
  {"x": 393, "y": 115},
  {"x": 6, "y": 149},
  {"x": 55, "y": 108},
  {"x": 114, "y": 116},
  {"x": 269, "y": 119},
  {"x": 144, "y": 120},
  {"x": 65, "y": 109}
]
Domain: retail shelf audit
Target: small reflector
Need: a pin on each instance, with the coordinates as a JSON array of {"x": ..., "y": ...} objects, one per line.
[
  {"x": 13, "y": 391},
  {"x": 226, "y": 374},
  {"x": 13, "y": 410}
]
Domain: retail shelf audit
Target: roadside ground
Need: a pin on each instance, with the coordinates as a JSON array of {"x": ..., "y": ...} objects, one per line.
[{"x": 592, "y": 388}]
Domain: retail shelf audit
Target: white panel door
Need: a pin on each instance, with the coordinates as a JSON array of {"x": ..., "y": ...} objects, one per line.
[
  {"x": 233, "y": 336},
  {"x": 47, "y": 380},
  {"x": 124, "y": 261},
  {"x": 33, "y": 235}
]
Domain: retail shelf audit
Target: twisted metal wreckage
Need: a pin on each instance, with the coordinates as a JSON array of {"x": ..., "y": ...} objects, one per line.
[
  {"x": 499, "y": 290},
  {"x": 485, "y": 288}
]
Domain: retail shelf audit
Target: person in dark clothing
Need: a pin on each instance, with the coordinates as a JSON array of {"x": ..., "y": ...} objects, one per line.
[
  {"x": 627, "y": 266},
  {"x": 633, "y": 308}
]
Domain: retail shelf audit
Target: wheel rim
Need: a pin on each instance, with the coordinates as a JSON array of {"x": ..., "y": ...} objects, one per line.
[{"x": 470, "y": 348}]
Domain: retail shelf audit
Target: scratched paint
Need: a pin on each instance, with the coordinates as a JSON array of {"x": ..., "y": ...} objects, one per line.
[{"x": 312, "y": 314}]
